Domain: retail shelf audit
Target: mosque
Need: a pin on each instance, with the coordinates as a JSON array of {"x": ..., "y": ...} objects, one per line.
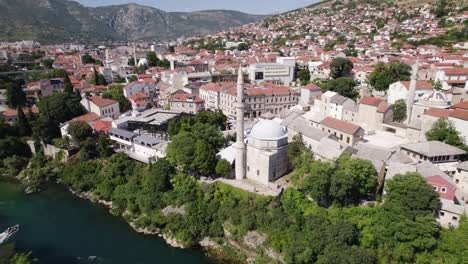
[{"x": 263, "y": 156}]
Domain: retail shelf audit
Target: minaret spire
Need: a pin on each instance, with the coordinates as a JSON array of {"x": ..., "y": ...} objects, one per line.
[
  {"x": 135, "y": 55},
  {"x": 412, "y": 91},
  {"x": 240, "y": 144}
]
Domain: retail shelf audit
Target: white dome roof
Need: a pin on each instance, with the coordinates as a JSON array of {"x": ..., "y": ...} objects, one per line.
[
  {"x": 435, "y": 98},
  {"x": 267, "y": 130},
  {"x": 143, "y": 62}
]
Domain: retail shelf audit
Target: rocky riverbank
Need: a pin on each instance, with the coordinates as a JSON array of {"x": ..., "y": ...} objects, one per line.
[{"x": 170, "y": 240}]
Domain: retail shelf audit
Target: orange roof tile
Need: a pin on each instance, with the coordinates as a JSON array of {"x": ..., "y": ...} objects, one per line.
[{"x": 340, "y": 125}]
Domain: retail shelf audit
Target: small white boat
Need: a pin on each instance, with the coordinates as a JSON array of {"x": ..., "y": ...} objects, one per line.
[{"x": 9, "y": 232}]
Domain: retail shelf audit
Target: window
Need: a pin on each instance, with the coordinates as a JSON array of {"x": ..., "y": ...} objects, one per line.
[
  {"x": 435, "y": 188},
  {"x": 258, "y": 172},
  {"x": 443, "y": 190},
  {"x": 457, "y": 181},
  {"x": 248, "y": 168},
  {"x": 347, "y": 140},
  {"x": 442, "y": 213},
  {"x": 454, "y": 218}
]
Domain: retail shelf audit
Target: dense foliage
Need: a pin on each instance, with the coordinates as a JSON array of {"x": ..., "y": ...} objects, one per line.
[
  {"x": 115, "y": 92},
  {"x": 399, "y": 110},
  {"x": 386, "y": 74},
  {"x": 61, "y": 106},
  {"x": 345, "y": 86},
  {"x": 445, "y": 131},
  {"x": 341, "y": 67}
]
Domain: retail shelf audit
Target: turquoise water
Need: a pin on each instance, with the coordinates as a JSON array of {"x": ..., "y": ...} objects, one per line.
[{"x": 60, "y": 228}]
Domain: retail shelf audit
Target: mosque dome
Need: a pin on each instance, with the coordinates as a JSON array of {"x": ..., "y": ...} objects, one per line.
[
  {"x": 435, "y": 98},
  {"x": 143, "y": 62},
  {"x": 268, "y": 130}
]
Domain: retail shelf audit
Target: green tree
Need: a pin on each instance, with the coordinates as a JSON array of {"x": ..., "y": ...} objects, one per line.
[
  {"x": 452, "y": 246},
  {"x": 181, "y": 150},
  {"x": 405, "y": 223},
  {"x": 223, "y": 168},
  {"x": 115, "y": 92},
  {"x": 304, "y": 76},
  {"x": 133, "y": 78},
  {"x": 61, "y": 107},
  {"x": 411, "y": 195},
  {"x": 399, "y": 110},
  {"x": 153, "y": 60},
  {"x": 80, "y": 131},
  {"x": 353, "y": 180},
  {"x": 45, "y": 129},
  {"x": 242, "y": 46},
  {"x": 24, "y": 128},
  {"x": 317, "y": 183},
  {"x": 48, "y": 63},
  {"x": 437, "y": 85},
  {"x": 385, "y": 74},
  {"x": 345, "y": 86},
  {"x": 23, "y": 258},
  {"x": 295, "y": 150},
  {"x": 204, "y": 160},
  {"x": 15, "y": 95},
  {"x": 441, "y": 8},
  {"x": 445, "y": 131},
  {"x": 98, "y": 79},
  {"x": 68, "y": 86},
  {"x": 88, "y": 59},
  {"x": 341, "y": 67},
  {"x": 104, "y": 146}
]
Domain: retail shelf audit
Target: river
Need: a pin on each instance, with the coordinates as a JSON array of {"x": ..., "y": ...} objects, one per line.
[{"x": 60, "y": 228}]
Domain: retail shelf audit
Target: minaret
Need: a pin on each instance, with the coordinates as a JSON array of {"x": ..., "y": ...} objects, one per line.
[
  {"x": 240, "y": 144},
  {"x": 107, "y": 58},
  {"x": 412, "y": 91},
  {"x": 134, "y": 55}
]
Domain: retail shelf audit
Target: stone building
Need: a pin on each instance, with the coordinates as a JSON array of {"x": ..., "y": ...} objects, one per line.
[
  {"x": 373, "y": 112},
  {"x": 264, "y": 158}
]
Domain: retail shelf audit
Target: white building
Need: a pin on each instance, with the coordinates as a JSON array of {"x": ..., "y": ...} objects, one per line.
[
  {"x": 267, "y": 148},
  {"x": 452, "y": 77},
  {"x": 337, "y": 106},
  {"x": 264, "y": 158},
  {"x": 103, "y": 107},
  {"x": 133, "y": 88},
  {"x": 281, "y": 72},
  {"x": 399, "y": 90},
  {"x": 144, "y": 148}
]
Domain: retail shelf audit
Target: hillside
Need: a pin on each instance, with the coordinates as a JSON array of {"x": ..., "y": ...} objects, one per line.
[{"x": 65, "y": 21}]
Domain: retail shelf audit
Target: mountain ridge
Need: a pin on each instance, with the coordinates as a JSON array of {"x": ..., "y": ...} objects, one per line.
[{"x": 54, "y": 21}]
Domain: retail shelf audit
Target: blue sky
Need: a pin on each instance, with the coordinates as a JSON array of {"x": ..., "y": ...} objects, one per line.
[{"x": 249, "y": 6}]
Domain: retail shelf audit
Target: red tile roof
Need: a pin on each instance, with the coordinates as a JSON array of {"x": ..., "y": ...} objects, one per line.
[
  {"x": 437, "y": 112},
  {"x": 420, "y": 85},
  {"x": 184, "y": 97},
  {"x": 456, "y": 71},
  {"x": 367, "y": 100},
  {"x": 14, "y": 112},
  {"x": 138, "y": 96},
  {"x": 343, "y": 126},
  {"x": 88, "y": 118},
  {"x": 102, "y": 126},
  {"x": 460, "y": 114},
  {"x": 217, "y": 87},
  {"x": 442, "y": 184},
  {"x": 462, "y": 105},
  {"x": 311, "y": 87},
  {"x": 101, "y": 102}
]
